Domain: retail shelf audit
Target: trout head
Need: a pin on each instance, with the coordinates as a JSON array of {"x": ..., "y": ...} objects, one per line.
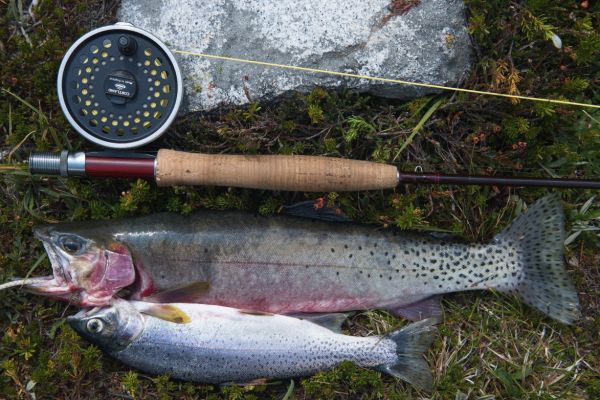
[
  {"x": 86, "y": 271},
  {"x": 110, "y": 328}
]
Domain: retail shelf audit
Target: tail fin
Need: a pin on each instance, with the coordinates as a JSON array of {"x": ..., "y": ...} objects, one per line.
[
  {"x": 542, "y": 281},
  {"x": 411, "y": 342}
]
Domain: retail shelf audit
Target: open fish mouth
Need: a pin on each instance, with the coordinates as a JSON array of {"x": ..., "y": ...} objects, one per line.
[
  {"x": 59, "y": 285},
  {"x": 84, "y": 272}
]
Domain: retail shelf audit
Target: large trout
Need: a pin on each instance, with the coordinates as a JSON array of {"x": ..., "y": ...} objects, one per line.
[
  {"x": 283, "y": 264},
  {"x": 217, "y": 344}
]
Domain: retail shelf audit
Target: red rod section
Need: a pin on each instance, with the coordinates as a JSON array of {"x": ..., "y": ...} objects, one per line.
[
  {"x": 119, "y": 167},
  {"x": 430, "y": 178}
]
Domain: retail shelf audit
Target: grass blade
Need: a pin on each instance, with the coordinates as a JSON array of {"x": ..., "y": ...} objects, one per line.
[{"x": 418, "y": 127}]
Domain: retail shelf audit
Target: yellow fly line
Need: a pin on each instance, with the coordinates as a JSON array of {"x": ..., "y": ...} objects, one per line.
[{"x": 388, "y": 80}]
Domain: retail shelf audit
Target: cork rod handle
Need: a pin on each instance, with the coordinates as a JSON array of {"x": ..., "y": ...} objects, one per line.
[{"x": 273, "y": 172}]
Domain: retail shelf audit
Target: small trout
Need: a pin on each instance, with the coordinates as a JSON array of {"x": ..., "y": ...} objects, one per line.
[
  {"x": 215, "y": 344},
  {"x": 284, "y": 264}
]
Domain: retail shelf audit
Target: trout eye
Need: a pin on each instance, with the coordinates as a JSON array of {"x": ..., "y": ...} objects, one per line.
[
  {"x": 71, "y": 245},
  {"x": 95, "y": 325}
]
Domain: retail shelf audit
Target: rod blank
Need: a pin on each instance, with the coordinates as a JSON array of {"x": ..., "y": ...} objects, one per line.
[{"x": 436, "y": 179}]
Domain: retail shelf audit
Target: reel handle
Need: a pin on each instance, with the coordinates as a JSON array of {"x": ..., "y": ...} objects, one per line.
[{"x": 273, "y": 172}]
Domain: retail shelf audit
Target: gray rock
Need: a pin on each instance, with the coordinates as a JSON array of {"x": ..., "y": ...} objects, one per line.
[{"x": 429, "y": 43}]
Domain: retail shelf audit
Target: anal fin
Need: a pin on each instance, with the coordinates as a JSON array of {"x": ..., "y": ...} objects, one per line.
[
  {"x": 419, "y": 310},
  {"x": 331, "y": 321}
]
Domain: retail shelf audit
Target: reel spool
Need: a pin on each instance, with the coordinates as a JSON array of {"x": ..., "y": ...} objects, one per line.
[{"x": 119, "y": 86}]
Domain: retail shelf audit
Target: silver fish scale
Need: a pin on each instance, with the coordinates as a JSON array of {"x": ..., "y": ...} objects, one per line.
[{"x": 218, "y": 349}]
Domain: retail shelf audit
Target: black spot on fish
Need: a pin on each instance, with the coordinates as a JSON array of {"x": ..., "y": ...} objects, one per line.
[
  {"x": 345, "y": 246},
  {"x": 360, "y": 247},
  {"x": 350, "y": 255},
  {"x": 332, "y": 250}
]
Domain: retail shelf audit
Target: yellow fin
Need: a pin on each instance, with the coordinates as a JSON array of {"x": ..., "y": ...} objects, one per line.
[{"x": 166, "y": 312}]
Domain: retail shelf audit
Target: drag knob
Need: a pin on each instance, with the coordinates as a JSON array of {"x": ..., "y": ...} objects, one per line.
[{"x": 127, "y": 45}]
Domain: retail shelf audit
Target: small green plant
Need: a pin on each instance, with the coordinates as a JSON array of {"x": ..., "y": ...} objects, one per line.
[
  {"x": 584, "y": 220},
  {"x": 164, "y": 386},
  {"x": 357, "y": 126},
  {"x": 533, "y": 26},
  {"x": 131, "y": 383}
]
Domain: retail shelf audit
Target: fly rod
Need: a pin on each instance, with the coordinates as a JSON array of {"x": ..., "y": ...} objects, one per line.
[{"x": 272, "y": 172}]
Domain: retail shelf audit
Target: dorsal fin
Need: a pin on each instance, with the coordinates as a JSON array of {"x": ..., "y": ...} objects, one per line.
[{"x": 316, "y": 209}]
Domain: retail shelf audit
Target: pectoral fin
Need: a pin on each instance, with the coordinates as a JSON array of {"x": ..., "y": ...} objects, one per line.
[
  {"x": 166, "y": 312},
  {"x": 423, "y": 309},
  {"x": 191, "y": 293}
]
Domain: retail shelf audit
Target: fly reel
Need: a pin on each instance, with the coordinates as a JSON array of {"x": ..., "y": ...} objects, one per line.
[{"x": 119, "y": 86}]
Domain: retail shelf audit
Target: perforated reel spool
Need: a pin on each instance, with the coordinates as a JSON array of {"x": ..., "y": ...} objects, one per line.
[{"x": 119, "y": 86}]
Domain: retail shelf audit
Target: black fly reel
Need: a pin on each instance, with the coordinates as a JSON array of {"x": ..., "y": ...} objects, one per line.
[{"x": 119, "y": 86}]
